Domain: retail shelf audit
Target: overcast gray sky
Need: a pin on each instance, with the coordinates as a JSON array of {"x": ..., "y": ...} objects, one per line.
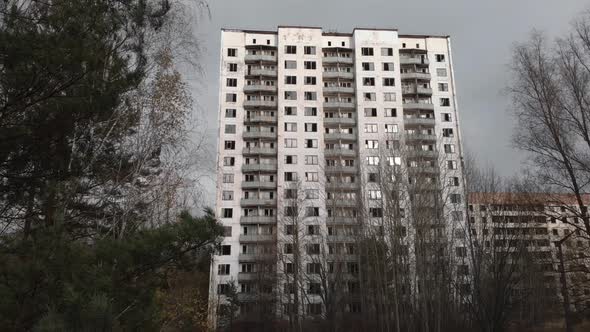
[{"x": 482, "y": 33}]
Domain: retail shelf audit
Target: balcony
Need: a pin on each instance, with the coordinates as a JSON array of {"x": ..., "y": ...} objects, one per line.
[
  {"x": 260, "y": 58},
  {"x": 338, "y": 89},
  {"x": 342, "y": 238},
  {"x": 260, "y": 103},
  {"x": 259, "y": 185},
  {"x": 258, "y": 202},
  {"x": 338, "y": 59},
  {"x": 258, "y": 220},
  {"x": 420, "y": 137},
  {"x": 259, "y": 151},
  {"x": 341, "y": 203},
  {"x": 419, "y": 121},
  {"x": 259, "y": 134},
  {"x": 418, "y": 106},
  {"x": 339, "y": 105},
  {"x": 259, "y": 168},
  {"x": 342, "y": 186},
  {"x": 415, "y": 76},
  {"x": 340, "y": 137},
  {"x": 261, "y": 119},
  {"x": 339, "y": 152},
  {"x": 341, "y": 169},
  {"x": 260, "y": 88},
  {"x": 338, "y": 75},
  {"x": 341, "y": 220},
  {"x": 417, "y": 90},
  {"x": 405, "y": 60},
  {"x": 263, "y": 72},
  {"x": 423, "y": 154},
  {"x": 257, "y": 238},
  {"x": 340, "y": 121},
  {"x": 424, "y": 170}
]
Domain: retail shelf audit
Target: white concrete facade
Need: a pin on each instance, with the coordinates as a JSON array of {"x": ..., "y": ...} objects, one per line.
[{"x": 300, "y": 94}]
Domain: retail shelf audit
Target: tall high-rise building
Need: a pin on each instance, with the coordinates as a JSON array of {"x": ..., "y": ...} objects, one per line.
[{"x": 323, "y": 136}]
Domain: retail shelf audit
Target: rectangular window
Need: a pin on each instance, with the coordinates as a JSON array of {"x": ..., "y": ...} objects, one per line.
[
  {"x": 290, "y": 79},
  {"x": 312, "y": 194},
  {"x": 230, "y": 145},
  {"x": 290, "y": 142},
  {"x": 290, "y": 110},
  {"x": 223, "y": 269},
  {"x": 445, "y": 102},
  {"x": 370, "y": 112},
  {"x": 227, "y": 195},
  {"x": 388, "y": 81},
  {"x": 374, "y": 194},
  {"x": 373, "y": 160},
  {"x": 232, "y": 52},
  {"x": 370, "y": 96},
  {"x": 386, "y": 51},
  {"x": 225, "y": 250},
  {"x": 311, "y": 127},
  {"x": 290, "y": 160},
  {"x": 389, "y": 96},
  {"x": 391, "y": 128},
  {"x": 441, "y": 72},
  {"x": 229, "y": 161},
  {"x": 290, "y": 126},
  {"x": 290, "y": 193},
  {"x": 228, "y": 178},
  {"x": 456, "y": 198},
  {"x": 227, "y": 213},
  {"x": 309, "y": 50},
  {"x": 310, "y": 111},
  {"x": 290, "y": 95},
  {"x": 368, "y": 66},
  {"x": 443, "y": 87},
  {"x": 451, "y": 164},
  {"x": 311, "y": 160},
  {"x": 290, "y": 64},
  {"x": 309, "y": 65},
  {"x": 311, "y": 176},
  {"x": 367, "y": 51},
  {"x": 388, "y": 66},
  {"x": 440, "y": 58},
  {"x": 231, "y": 82},
  {"x": 233, "y": 67},
  {"x": 291, "y": 49},
  {"x": 454, "y": 181},
  {"x": 310, "y": 80},
  {"x": 311, "y": 143},
  {"x": 310, "y": 95},
  {"x": 314, "y": 268},
  {"x": 449, "y": 148},
  {"x": 231, "y": 97},
  {"x": 371, "y": 128},
  {"x": 230, "y": 129},
  {"x": 446, "y": 117},
  {"x": 390, "y": 112},
  {"x": 372, "y": 144},
  {"x": 448, "y": 132},
  {"x": 368, "y": 81},
  {"x": 230, "y": 113},
  {"x": 288, "y": 248},
  {"x": 312, "y": 211},
  {"x": 227, "y": 231},
  {"x": 290, "y": 176}
]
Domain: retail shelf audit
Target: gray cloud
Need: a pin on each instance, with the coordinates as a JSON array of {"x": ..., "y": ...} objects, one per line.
[{"x": 482, "y": 35}]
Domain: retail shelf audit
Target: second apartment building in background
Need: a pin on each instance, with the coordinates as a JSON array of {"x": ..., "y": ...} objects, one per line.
[{"x": 330, "y": 145}]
